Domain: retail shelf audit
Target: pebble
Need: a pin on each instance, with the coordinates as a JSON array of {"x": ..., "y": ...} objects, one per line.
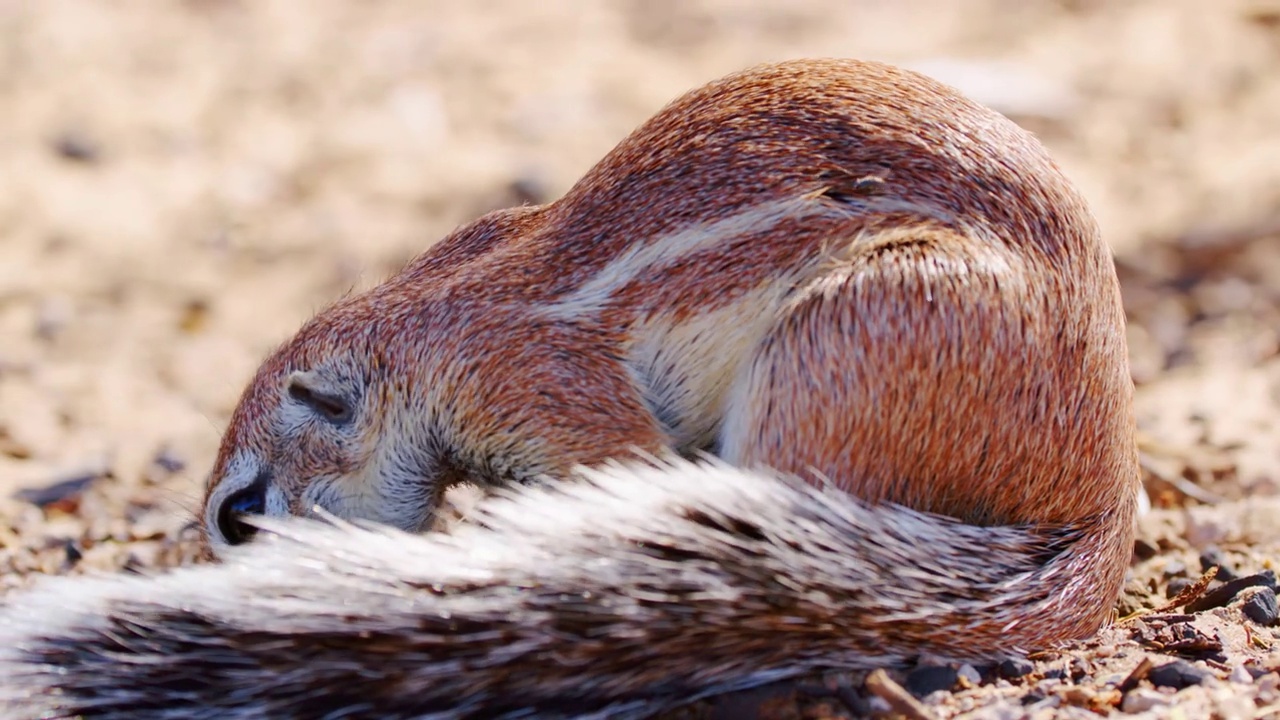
[
  {"x": 1016, "y": 668},
  {"x": 1261, "y": 608},
  {"x": 1177, "y": 675},
  {"x": 77, "y": 146},
  {"x": 1141, "y": 699},
  {"x": 168, "y": 460},
  {"x": 1211, "y": 556},
  {"x": 1227, "y": 592},
  {"x": 1240, "y": 675},
  {"x": 1144, "y": 550},
  {"x": 58, "y": 491},
  {"x": 74, "y": 553},
  {"x": 1176, "y": 586},
  {"x": 931, "y": 678},
  {"x": 1033, "y": 697}
]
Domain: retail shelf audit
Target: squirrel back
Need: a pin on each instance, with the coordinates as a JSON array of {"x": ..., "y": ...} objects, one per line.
[{"x": 829, "y": 272}]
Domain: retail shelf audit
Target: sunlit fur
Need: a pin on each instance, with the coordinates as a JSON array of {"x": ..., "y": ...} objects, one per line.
[{"x": 835, "y": 270}]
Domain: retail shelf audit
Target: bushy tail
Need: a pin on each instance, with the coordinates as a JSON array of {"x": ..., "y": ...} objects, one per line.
[{"x": 640, "y": 587}]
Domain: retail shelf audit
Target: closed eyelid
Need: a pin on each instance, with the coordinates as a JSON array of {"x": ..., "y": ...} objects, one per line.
[{"x": 332, "y": 401}]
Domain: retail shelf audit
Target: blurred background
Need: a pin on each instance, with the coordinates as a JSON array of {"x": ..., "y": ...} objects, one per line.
[{"x": 182, "y": 183}]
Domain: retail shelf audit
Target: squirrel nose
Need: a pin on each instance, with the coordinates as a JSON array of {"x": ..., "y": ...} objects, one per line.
[{"x": 249, "y": 501}]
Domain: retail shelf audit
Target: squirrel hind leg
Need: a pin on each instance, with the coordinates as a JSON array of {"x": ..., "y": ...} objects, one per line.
[{"x": 925, "y": 370}]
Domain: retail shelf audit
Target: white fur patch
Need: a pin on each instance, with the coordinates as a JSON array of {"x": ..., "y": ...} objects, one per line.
[{"x": 645, "y": 253}]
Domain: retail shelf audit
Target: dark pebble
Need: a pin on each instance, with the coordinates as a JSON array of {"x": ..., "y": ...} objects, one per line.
[
  {"x": 1143, "y": 550},
  {"x": 1227, "y": 592},
  {"x": 1016, "y": 668},
  {"x": 1176, "y": 586},
  {"x": 169, "y": 461},
  {"x": 931, "y": 678},
  {"x": 1177, "y": 675},
  {"x": 77, "y": 147},
  {"x": 1261, "y": 608},
  {"x": 58, "y": 491},
  {"x": 1175, "y": 568},
  {"x": 1033, "y": 697},
  {"x": 74, "y": 554},
  {"x": 1055, "y": 674},
  {"x": 1213, "y": 556}
]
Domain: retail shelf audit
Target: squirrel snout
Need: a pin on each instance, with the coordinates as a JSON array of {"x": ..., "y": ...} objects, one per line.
[{"x": 250, "y": 500}]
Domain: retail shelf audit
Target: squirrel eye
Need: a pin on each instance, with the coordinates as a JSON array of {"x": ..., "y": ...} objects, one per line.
[{"x": 331, "y": 407}]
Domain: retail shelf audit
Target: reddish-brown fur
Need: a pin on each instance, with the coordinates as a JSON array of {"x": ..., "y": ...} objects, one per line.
[{"x": 927, "y": 316}]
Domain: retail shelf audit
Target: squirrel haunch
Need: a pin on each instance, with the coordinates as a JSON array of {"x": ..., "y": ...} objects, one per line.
[{"x": 827, "y": 270}]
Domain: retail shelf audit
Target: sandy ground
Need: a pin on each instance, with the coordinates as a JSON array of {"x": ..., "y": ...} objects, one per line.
[{"x": 182, "y": 183}]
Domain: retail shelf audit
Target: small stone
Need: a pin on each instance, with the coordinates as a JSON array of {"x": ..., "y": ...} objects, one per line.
[
  {"x": 1212, "y": 556},
  {"x": 931, "y": 678},
  {"x": 1261, "y": 608},
  {"x": 74, "y": 554},
  {"x": 168, "y": 460},
  {"x": 1175, "y": 568},
  {"x": 1227, "y": 592},
  {"x": 1016, "y": 668},
  {"x": 1178, "y": 674},
  {"x": 59, "y": 492},
  {"x": 1048, "y": 685},
  {"x": 1033, "y": 697},
  {"x": 969, "y": 674},
  {"x": 1176, "y": 586},
  {"x": 77, "y": 146},
  {"x": 1141, "y": 699},
  {"x": 1143, "y": 550},
  {"x": 1240, "y": 675}
]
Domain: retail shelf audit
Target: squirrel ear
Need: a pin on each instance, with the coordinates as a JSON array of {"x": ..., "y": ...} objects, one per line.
[{"x": 322, "y": 397}]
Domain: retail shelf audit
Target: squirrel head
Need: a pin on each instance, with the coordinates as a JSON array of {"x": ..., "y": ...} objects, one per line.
[
  {"x": 360, "y": 413},
  {"x": 316, "y": 428}
]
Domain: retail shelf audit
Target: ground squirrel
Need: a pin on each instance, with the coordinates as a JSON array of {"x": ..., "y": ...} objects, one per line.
[{"x": 877, "y": 310}]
